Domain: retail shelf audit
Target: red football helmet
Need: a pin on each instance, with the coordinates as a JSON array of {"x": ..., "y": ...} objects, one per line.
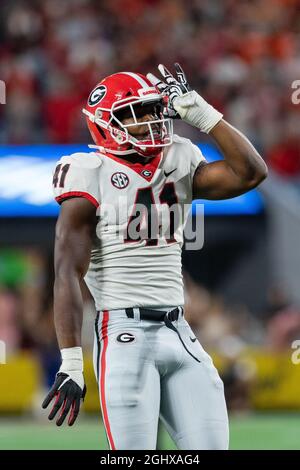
[{"x": 127, "y": 92}]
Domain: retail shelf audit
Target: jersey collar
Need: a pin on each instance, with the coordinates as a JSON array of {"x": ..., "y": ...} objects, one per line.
[{"x": 145, "y": 170}]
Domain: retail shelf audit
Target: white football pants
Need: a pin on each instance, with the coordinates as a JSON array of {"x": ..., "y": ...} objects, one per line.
[{"x": 144, "y": 372}]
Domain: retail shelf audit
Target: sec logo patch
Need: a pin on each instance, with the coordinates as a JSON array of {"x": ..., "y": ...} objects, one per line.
[
  {"x": 125, "y": 338},
  {"x": 120, "y": 180}
]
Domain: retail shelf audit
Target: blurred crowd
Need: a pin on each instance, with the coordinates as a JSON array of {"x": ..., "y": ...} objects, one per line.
[{"x": 243, "y": 56}]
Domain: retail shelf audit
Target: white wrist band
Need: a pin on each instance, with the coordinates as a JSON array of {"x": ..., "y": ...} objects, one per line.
[
  {"x": 193, "y": 109},
  {"x": 72, "y": 359}
]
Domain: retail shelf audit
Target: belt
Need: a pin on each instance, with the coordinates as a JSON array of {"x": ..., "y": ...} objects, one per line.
[
  {"x": 167, "y": 317},
  {"x": 155, "y": 315}
]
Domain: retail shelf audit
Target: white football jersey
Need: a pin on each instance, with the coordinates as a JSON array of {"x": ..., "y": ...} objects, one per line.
[{"x": 142, "y": 209}]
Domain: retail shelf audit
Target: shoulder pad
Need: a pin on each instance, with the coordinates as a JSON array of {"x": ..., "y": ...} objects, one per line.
[
  {"x": 88, "y": 160},
  {"x": 180, "y": 140}
]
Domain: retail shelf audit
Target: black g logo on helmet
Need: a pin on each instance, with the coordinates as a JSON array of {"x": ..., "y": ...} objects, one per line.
[{"x": 97, "y": 95}]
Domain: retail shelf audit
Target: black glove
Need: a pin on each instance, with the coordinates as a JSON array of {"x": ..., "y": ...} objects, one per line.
[{"x": 68, "y": 396}]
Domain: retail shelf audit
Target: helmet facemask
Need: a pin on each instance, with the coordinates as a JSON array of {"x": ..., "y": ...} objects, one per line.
[{"x": 158, "y": 131}]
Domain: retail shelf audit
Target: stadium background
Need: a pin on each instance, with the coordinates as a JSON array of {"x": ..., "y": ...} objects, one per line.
[{"x": 242, "y": 288}]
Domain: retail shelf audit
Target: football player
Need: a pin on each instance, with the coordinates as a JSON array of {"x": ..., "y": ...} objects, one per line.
[{"x": 148, "y": 363}]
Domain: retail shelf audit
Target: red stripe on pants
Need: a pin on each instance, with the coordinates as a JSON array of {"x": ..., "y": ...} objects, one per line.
[{"x": 102, "y": 380}]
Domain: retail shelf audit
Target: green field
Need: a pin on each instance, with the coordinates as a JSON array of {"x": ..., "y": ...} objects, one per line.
[{"x": 264, "y": 431}]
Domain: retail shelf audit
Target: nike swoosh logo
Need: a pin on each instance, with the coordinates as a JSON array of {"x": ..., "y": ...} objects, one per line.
[
  {"x": 169, "y": 173},
  {"x": 193, "y": 339}
]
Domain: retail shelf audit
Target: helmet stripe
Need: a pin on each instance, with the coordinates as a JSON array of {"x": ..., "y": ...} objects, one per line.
[{"x": 138, "y": 79}]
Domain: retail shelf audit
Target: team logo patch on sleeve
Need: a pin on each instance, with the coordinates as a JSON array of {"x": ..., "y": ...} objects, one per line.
[
  {"x": 125, "y": 338},
  {"x": 120, "y": 180},
  {"x": 97, "y": 95}
]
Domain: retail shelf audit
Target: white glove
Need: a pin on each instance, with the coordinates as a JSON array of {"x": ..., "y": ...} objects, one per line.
[{"x": 184, "y": 102}]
